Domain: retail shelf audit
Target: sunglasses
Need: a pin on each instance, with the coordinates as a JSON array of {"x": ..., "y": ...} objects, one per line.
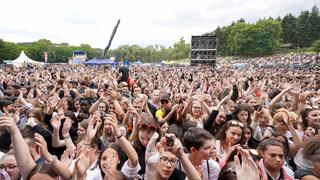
[
  {"x": 312, "y": 107},
  {"x": 144, "y": 126},
  {"x": 164, "y": 102},
  {"x": 235, "y": 123}
]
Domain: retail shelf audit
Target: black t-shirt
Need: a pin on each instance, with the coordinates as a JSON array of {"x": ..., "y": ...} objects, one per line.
[
  {"x": 177, "y": 175},
  {"x": 125, "y": 73},
  {"x": 300, "y": 173}
]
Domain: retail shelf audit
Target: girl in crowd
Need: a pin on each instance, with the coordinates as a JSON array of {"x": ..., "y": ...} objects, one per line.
[{"x": 229, "y": 136}]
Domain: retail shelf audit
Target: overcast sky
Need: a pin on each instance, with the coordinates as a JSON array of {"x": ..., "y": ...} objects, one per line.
[{"x": 143, "y": 22}]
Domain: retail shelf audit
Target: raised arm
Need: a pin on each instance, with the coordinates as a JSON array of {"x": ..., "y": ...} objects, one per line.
[
  {"x": 190, "y": 170},
  {"x": 60, "y": 168},
  {"x": 124, "y": 143},
  {"x": 56, "y": 123},
  {"x": 20, "y": 148},
  {"x": 277, "y": 98},
  {"x": 95, "y": 105}
]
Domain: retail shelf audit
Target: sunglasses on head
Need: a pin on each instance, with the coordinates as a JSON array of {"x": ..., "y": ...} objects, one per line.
[
  {"x": 312, "y": 107},
  {"x": 235, "y": 123},
  {"x": 150, "y": 127}
]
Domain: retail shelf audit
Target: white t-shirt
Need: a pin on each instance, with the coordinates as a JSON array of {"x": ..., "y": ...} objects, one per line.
[
  {"x": 220, "y": 151},
  {"x": 214, "y": 169},
  {"x": 129, "y": 172},
  {"x": 300, "y": 162},
  {"x": 2, "y": 155},
  {"x": 93, "y": 173}
]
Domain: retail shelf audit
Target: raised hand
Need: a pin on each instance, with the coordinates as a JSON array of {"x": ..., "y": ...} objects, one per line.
[
  {"x": 66, "y": 126},
  {"x": 93, "y": 127},
  {"x": 40, "y": 142},
  {"x": 31, "y": 121},
  {"x": 67, "y": 157},
  {"x": 112, "y": 119},
  {"x": 113, "y": 95},
  {"x": 248, "y": 169},
  {"x": 16, "y": 115},
  {"x": 8, "y": 123},
  {"x": 55, "y": 122},
  {"x": 82, "y": 161},
  {"x": 152, "y": 155}
]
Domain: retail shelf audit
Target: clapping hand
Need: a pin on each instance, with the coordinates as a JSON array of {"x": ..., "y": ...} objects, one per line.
[
  {"x": 67, "y": 157},
  {"x": 152, "y": 154},
  {"x": 248, "y": 169},
  {"x": 66, "y": 126},
  {"x": 40, "y": 142},
  {"x": 82, "y": 161}
]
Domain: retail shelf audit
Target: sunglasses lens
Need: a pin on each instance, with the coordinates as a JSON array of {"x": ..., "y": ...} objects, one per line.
[{"x": 143, "y": 126}]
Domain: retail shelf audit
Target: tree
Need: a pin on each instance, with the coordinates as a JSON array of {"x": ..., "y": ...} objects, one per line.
[
  {"x": 36, "y": 50},
  {"x": 289, "y": 29},
  {"x": 9, "y": 50},
  {"x": 316, "y": 46},
  {"x": 257, "y": 39},
  {"x": 303, "y": 35},
  {"x": 181, "y": 49},
  {"x": 63, "y": 53},
  {"x": 314, "y": 23}
]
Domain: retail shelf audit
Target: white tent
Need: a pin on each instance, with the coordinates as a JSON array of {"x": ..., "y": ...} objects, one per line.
[{"x": 23, "y": 59}]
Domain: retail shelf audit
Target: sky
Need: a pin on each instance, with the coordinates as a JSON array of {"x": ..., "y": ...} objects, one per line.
[{"x": 143, "y": 22}]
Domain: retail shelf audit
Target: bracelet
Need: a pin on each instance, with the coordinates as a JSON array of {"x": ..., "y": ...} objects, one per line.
[{"x": 118, "y": 137}]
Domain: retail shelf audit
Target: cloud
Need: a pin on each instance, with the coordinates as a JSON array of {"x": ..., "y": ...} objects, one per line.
[
  {"x": 143, "y": 22},
  {"x": 79, "y": 18}
]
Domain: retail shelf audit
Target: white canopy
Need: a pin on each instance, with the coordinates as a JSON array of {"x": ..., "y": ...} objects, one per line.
[{"x": 23, "y": 59}]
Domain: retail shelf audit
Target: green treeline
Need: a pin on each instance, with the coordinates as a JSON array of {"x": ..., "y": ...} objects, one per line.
[
  {"x": 266, "y": 35},
  {"x": 61, "y": 52},
  {"x": 237, "y": 39}
]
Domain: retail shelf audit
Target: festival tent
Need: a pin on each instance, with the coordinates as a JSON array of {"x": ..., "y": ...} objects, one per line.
[
  {"x": 77, "y": 61},
  {"x": 137, "y": 63},
  {"x": 24, "y": 59},
  {"x": 106, "y": 61},
  {"x": 92, "y": 62}
]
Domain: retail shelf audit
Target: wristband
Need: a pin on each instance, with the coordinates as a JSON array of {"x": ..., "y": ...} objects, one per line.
[{"x": 118, "y": 137}]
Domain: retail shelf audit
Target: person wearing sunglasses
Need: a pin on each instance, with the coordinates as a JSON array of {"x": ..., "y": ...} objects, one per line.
[
  {"x": 167, "y": 111},
  {"x": 229, "y": 136},
  {"x": 141, "y": 135}
]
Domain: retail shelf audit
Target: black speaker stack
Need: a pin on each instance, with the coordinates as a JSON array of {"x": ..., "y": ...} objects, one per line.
[{"x": 204, "y": 50}]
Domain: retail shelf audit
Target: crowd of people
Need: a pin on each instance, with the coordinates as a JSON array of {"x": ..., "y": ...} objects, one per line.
[{"x": 168, "y": 122}]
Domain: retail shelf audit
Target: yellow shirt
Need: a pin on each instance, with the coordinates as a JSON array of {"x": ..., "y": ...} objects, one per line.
[{"x": 160, "y": 113}]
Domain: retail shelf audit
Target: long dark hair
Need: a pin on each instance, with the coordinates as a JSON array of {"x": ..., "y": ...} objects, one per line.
[
  {"x": 252, "y": 143},
  {"x": 222, "y": 133},
  {"x": 304, "y": 116},
  {"x": 242, "y": 107},
  {"x": 145, "y": 120},
  {"x": 121, "y": 155}
]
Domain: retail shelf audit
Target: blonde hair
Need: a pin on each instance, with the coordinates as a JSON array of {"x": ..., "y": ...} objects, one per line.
[{"x": 281, "y": 113}]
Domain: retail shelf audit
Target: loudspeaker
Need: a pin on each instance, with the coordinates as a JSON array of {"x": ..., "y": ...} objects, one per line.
[{"x": 204, "y": 50}]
